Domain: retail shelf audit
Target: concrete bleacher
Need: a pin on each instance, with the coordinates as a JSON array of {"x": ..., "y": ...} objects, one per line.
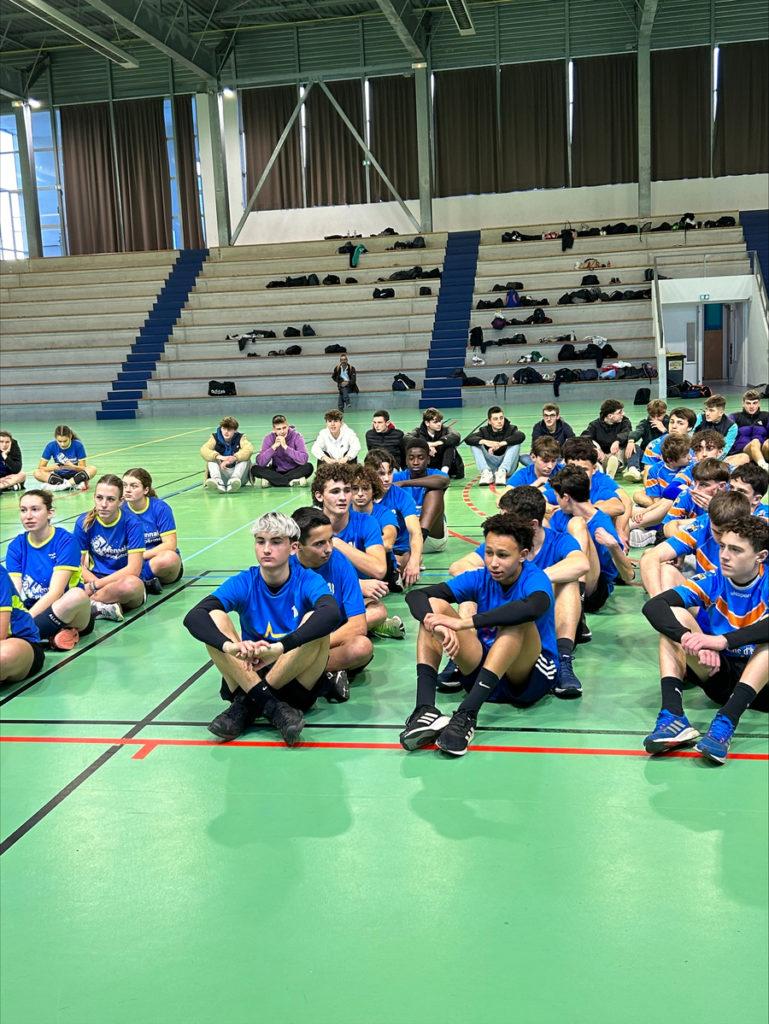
[{"x": 80, "y": 316}]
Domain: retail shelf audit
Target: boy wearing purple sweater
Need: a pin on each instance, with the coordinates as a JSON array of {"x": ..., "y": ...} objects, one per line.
[{"x": 282, "y": 461}]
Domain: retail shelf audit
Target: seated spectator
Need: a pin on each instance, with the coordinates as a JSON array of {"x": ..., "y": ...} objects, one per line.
[
  {"x": 610, "y": 434},
  {"x": 443, "y": 444},
  {"x": 69, "y": 467},
  {"x": 282, "y": 460},
  {"x": 384, "y": 434},
  {"x": 336, "y": 442},
  {"x": 713, "y": 417},
  {"x": 496, "y": 446},
  {"x": 21, "y": 653},
  {"x": 344, "y": 376},
  {"x": 654, "y": 425},
  {"x": 274, "y": 666},
  {"x": 680, "y": 421},
  {"x": 407, "y": 548},
  {"x": 545, "y": 456},
  {"x": 367, "y": 492},
  {"x": 350, "y": 649},
  {"x": 752, "y": 481},
  {"x": 651, "y": 504},
  {"x": 11, "y": 476},
  {"x": 427, "y": 488},
  {"x": 722, "y": 650},
  {"x": 752, "y": 441},
  {"x": 162, "y": 561},
  {"x": 551, "y": 425},
  {"x": 227, "y": 455},
  {"x": 605, "y": 493},
  {"x": 709, "y": 477}
]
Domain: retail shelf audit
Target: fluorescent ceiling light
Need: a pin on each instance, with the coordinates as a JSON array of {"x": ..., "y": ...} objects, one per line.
[
  {"x": 83, "y": 35},
  {"x": 461, "y": 16}
]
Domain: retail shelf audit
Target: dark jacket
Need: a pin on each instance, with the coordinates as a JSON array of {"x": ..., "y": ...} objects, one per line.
[
  {"x": 445, "y": 456},
  {"x": 605, "y": 434},
  {"x": 509, "y": 433},
  {"x": 449, "y": 437},
  {"x": 749, "y": 428},
  {"x": 561, "y": 433},
  {"x": 391, "y": 440},
  {"x": 645, "y": 433},
  {"x": 11, "y": 463},
  {"x": 336, "y": 376}
]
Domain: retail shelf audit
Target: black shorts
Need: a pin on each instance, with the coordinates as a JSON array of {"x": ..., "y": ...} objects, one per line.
[
  {"x": 595, "y": 601},
  {"x": 720, "y": 686},
  {"x": 38, "y": 656},
  {"x": 292, "y": 693}
]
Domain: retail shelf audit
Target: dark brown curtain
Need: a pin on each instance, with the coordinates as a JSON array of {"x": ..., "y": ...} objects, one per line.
[
  {"x": 265, "y": 114},
  {"x": 90, "y": 195},
  {"x": 186, "y": 174},
  {"x": 335, "y": 174},
  {"x": 394, "y": 137},
  {"x": 145, "y": 183},
  {"x": 533, "y": 148},
  {"x": 680, "y": 113},
  {"x": 465, "y": 111},
  {"x": 605, "y": 133},
  {"x": 742, "y": 116}
]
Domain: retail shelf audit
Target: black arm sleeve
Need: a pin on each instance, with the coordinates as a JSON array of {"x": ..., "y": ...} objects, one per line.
[
  {"x": 659, "y": 611},
  {"x": 514, "y": 612},
  {"x": 199, "y": 622},
  {"x": 324, "y": 620},
  {"x": 419, "y": 600},
  {"x": 755, "y": 633}
]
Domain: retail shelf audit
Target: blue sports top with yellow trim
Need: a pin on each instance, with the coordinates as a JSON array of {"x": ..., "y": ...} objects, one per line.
[
  {"x": 109, "y": 545},
  {"x": 22, "y": 625},
  {"x": 727, "y": 605},
  {"x": 267, "y": 614},
  {"x": 74, "y": 452},
  {"x": 35, "y": 564}
]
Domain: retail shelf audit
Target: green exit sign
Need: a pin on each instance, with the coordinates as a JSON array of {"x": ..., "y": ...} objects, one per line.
[{"x": 705, "y": 297}]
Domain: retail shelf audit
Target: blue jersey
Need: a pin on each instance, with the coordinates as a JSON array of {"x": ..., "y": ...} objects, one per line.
[
  {"x": 683, "y": 507},
  {"x": 762, "y": 511},
  {"x": 22, "y": 625},
  {"x": 727, "y": 605},
  {"x": 157, "y": 521},
  {"x": 266, "y": 614},
  {"x": 75, "y": 452},
  {"x": 384, "y": 516},
  {"x": 528, "y": 474},
  {"x": 417, "y": 493},
  {"x": 555, "y": 547},
  {"x": 560, "y": 521},
  {"x": 602, "y": 488},
  {"x": 109, "y": 545},
  {"x": 362, "y": 531},
  {"x": 400, "y": 501},
  {"x": 343, "y": 585},
  {"x": 659, "y": 478},
  {"x": 698, "y": 540},
  {"x": 478, "y": 586},
  {"x": 34, "y": 564}
]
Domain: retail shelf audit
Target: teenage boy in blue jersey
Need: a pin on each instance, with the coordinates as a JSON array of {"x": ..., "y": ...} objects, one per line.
[
  {"x": 605, "y": 493},
  {"x": 729, "y": 659},
  {"x": 543, "y": 462},
  {"x": 275, "y": 665},
  {"x": 752, "y": 481},
  {"x": 349, "y": 646},
  {"x": 505, "y": 651},
  {"x": 407, "y": 547},
  {"x": 427, "y": 488}
]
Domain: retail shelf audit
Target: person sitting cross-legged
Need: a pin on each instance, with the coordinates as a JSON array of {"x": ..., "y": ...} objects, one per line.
[
  {"x": 506, "y": 651},
  {"x": 496, "y": 446},
  {"x": 282, "y": 460},
  {"x": 427, "y": 489},
  {"x": 729, "y": 657},
  {"x": 227, "y": 455},
  {"x": 274, "y": 666},
  {"x": 336, "y": 442}
]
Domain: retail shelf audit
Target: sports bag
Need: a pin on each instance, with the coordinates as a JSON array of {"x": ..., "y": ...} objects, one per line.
[{"x": 221, "y": 387}]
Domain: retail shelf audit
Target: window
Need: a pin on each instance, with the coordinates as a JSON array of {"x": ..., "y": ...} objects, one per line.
[{"x": 13, "y": 235}]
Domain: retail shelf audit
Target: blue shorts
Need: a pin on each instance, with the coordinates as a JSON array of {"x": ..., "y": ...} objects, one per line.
[{"x": 541, "y": 681}]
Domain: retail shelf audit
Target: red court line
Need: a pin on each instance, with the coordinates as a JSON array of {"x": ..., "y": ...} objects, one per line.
[{"x": 147, "y": 746}]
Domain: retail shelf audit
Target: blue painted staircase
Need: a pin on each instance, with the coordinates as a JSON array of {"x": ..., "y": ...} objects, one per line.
[
  {"x": 755, "y": 228},
  {"x": 123, "y": 400},
  {"x": 451, "y": 326}
]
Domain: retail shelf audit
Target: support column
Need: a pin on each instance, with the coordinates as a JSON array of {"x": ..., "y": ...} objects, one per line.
[
  {"x": 644, "y": 128},
  {"x": 28, "y": 180},
  {"x": 424, "y": 146},
  {"x": 213, "y": 167}
]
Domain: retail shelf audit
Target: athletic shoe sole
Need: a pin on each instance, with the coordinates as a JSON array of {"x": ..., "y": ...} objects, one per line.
[
  {"x": 414, "y": 739},
  {"x": 567, "y": 692},
  {"x": 685, "y": 738},
  {"x": 711, "y": 755}
]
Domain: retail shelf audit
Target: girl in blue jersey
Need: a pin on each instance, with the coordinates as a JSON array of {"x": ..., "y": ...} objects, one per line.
[
  {"x": 21, "y": 653},
  {"x": 69, "y": 468},
  {"x": 112, "y": 545},
  {"x": 44, "y": 566},
  {"x": 162, "y": 563}
]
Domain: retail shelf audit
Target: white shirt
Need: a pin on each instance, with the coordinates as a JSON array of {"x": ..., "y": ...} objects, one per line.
[{"x": 346, "y": 444}]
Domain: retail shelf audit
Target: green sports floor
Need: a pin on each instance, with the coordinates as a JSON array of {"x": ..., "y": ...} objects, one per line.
[{"x": 556, "y": 873}]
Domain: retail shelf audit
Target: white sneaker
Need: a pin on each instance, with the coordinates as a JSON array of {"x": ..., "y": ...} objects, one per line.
[
  {"x": 263, "y": 482},
  {"x": 299, "y": 482},
  {"x": 221, "y": 486},
  {"x": 642, "y": 538},
  {"x": 500, "y": 477},
  {"x": 113, "y": 612},
  {"x": 210, "y": 484},
  {"x": 478, "y": 361},
  {"x": 486, "y": 478},
  {"x": 634, "y": 474},
  {"x": 234, "y": 484},
  {"x": 611, "y": 466}
]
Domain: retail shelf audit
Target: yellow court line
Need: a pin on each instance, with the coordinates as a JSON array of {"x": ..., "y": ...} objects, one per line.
[{"x": 142, "y": 444}]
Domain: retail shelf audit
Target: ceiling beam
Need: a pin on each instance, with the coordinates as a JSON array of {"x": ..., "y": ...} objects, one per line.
[
  {"x": 12, "y": 83},
  {"x": 160, "y": 32},
  {"x": 404, "y": 24}
]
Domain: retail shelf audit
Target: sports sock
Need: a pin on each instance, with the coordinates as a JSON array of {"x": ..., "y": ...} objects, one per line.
[
  {"x": 565, "y": 646},
  {"x": 739, "y": 701},
  {"x": 427, "y": 681},
  {"x": 672, "y": 695},
  {"x": 425, "y": 533},
  {"x": 481, "y": 691},
  {"x": 259, "y": 695},
  {"x": 48, "y": 624}
]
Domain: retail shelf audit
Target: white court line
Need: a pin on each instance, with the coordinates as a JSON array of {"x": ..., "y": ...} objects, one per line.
[{"x": 232, "y": 534}]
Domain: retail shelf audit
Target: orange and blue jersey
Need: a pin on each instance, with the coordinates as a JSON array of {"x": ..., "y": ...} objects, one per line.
[
  {"x": 660, "y": 477},
  {"x": 34, "y": 564},
  {"x": 727, "y": 605},
  {"x": 698, "y": 540}
]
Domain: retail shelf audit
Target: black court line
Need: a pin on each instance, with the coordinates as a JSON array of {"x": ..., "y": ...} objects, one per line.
[
  {"x": 145, "y": 610},
  {"x": 70, "y": 788}
]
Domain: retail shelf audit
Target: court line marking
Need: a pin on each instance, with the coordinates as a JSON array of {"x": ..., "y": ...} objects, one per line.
[
  {"x": 147, "y": 746},
  {"x": 115, "y": 746},
  {"x": 277, "y": 508},
  {"x": 143, "y": 444}
]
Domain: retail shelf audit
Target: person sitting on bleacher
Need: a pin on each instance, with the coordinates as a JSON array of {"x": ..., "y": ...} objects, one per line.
[{"x": 344, "y": 375}]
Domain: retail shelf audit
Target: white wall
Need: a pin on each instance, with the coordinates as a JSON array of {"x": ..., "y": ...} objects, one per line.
[{"x": 757, "y": 340}]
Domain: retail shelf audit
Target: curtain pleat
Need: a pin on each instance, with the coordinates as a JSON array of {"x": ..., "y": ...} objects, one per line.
[
  {"x": 533, "y": 146},
  {"x": 465, "y": 112},
  {"x": 335, "y": 173},
  {"x": 680, "y": 113},
  {"x": 90, "y": 195},
  {"x": 605, "y": 132},
  {"x": 394, "y": 137},
  {"x": 143, "y": 172},
  {"x": 265, "y": 114},
  {"x": 186, "y": 174},
  {"x": 741, "y": 143}
]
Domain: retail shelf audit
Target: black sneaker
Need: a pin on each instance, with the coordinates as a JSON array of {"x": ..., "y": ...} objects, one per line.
[
  {"x": 422, "y": 727},
  {"x": 584, "y": 632},
  {"x": 455, "y": 738},
  {"x": 153, "y": 586},
  {"x": 234, "y": 720},
  {"x": 339, "y": 687},
  {"x": 287, "y": 720},
  {"x": 449, "y": 680}
]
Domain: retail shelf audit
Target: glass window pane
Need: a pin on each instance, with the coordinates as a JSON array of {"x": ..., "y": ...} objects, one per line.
[
  {"x": 174, "y": 202},
  {"x": 45, "y": 168},
  {"x": 42, "y": 132},
  {"x": 171, "y": 158}
]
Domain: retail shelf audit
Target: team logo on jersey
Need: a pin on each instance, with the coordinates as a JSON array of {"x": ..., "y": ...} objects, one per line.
[
  {"x": 270, "y": 634},
  {"x": 101, "y": 546}
]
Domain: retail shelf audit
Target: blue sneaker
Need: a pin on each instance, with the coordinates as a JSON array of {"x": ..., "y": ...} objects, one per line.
[
  {"x": 715, "y": 745},
  {"x": 670, "y": 732},
  {"x": 567, "y": 685},
  {"x": 449, "y": 680}
]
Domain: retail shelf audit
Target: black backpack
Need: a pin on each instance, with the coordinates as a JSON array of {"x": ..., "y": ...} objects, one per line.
[
  {"x": 221, "y": 387},
  {"x": 294, "y": 350},
  {"x": 501, "y": 380},
  {"x": 567, "y": 352},
  {"x": 589, "y": 279},
  {"x": 642, "y": 396},
  {"x": 332, "y": 350},
  {"x": 403, "y": 383},
  {"x": 528, "y": 375}
]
